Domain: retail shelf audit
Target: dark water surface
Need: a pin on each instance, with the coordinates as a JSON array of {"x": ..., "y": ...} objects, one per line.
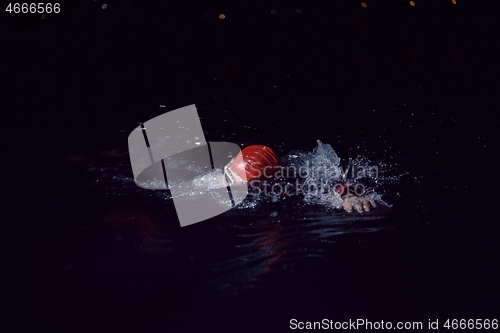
[{"x": 107, "y": 255}]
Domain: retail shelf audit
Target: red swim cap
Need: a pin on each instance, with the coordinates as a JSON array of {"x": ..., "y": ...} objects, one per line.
[{"x": 255, "y": 162}]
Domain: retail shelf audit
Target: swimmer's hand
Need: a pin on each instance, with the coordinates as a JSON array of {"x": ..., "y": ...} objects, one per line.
[{"x": 360, "y": 204}]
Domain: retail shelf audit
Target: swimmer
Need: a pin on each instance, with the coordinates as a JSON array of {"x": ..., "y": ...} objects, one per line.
[
  {"x": 258, "y": 163},
  {"x": 261, "y": 162}
]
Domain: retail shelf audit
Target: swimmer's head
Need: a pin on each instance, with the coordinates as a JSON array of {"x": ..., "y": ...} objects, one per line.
[{"x": 253, "y": 162}]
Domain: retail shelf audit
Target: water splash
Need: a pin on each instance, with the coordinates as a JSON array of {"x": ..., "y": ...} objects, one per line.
[{"x": 324, "y": 174}]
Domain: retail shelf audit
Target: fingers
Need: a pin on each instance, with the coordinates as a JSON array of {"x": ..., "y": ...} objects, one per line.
[
  {"x": 366, "y": 206},
  {"x": 347, "y": 205},
  {"x": 359, "y": 204},
  {"x": 352, "y": 202},
  {"x": 370, "y": 199}
]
